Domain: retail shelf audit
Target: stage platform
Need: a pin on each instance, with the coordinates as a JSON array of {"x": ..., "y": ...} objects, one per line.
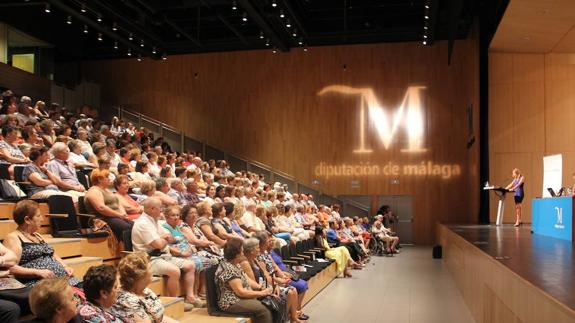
[{"x": 508, "y": 274}]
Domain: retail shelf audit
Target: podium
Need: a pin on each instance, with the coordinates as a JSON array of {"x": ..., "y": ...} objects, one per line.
[{"x": 500, "y": 192}]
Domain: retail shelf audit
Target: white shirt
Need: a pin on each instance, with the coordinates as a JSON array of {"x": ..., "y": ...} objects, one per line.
[{"x": 146, "y": 229}]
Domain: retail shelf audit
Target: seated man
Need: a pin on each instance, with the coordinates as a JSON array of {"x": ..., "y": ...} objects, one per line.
[
  {"x": 60, "y": 167},
  {"x": 149, "y": 236}
]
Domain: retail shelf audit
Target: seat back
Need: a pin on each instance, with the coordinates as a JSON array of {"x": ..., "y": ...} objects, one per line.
[
  {"x": 83, "y": 179},
  {"x": 62, "y": 204},
  {"x": 212, "y": 291},
  {"x": 127, "y": 239},
  {"x": 19, "y": 178},
  {"x": 4, "y": 174},
  {"x": 82, "y": 208}
]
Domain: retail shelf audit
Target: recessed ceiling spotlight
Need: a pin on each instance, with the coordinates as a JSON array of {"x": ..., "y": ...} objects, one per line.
[
  {"x": 142, "y": 43},
  {"x": 154, "y": 50},
  {"x": 47, "y": 8},
  {"x": 115, "y": 45},
  {"x": 275, "y": 50},
  {"x": 115, "y": 26},
  {"x": 288, "y": 23},
  {"x": 426, "y": 17},
  {"x": 85, "y": 29},
  {"x": 139, "y": 57},
  {"x": 245, "y": 17},
  {"x": 129, "y": 52},
  {"x": 234, "y": 5},
  {"x": 69, "y": 20},
  {"x": 83, "y": 9},
  {"x": 282, "y": 14},
  {"x": 274, "y": 4},
  {"x": 99, "y": 18},
  {"x": 100, "y": 37},
  {"x": 131, "y": 37},
  {"x": 267, "y": 42}
]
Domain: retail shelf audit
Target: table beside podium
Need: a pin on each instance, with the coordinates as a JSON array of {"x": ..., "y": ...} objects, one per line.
[
  {"x": 500, "y": 192},
  {"x": 553, "y": 217}
]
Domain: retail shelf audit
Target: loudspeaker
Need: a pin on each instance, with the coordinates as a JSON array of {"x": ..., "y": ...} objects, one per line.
[{"x": 437, "y": 252}]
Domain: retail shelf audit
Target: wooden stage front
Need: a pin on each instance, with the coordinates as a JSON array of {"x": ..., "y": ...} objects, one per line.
[{"x": 507, "y": 274}]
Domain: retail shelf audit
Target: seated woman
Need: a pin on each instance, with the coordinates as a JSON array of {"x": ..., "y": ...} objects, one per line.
[
  {"x": 43, "y": 183},
  {"x": 9, "y": 151},
  {"x": 273, "y": 263},
  {"x": 53, "y": 300},
  {"x": 133, "y": 208},
  {"x": 237, "y": 293},
  {"x": 10, "y": 303},
  {"x": 287, "y": 221},
  {"x": 105, "y": 205},
  {"x": 100, "y": 285},
  {"x": 277, "y": 230},
  {"x": 339, "y": 254},
  {"x": 136, "y": 302},
  {"x": 257, "y": 271},
  {"x": 382, "y": 233},
  {"x": 37, "y": 259},
  {"x": 76, "y": 158},
  {"x": 234, "y": 217},
  {"x": 221, "y": 226}
]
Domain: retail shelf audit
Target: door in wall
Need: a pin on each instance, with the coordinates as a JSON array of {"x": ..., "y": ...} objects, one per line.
[{"x": 402, "y": 207}]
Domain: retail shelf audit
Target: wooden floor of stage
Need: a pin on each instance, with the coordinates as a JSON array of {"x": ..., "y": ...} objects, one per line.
[{"x": 545, "y": 262}]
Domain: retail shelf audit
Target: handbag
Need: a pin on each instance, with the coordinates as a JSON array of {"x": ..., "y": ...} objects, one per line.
[
  {"x": 276, "y": 307},
  {"x": 293, "y": 273}
]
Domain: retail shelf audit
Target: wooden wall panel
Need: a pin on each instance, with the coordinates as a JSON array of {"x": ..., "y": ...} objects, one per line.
[
  {"x": 24, "y": 83},
  {"x": 266, "y": 107},
  {"x": 531, "y": 115}
]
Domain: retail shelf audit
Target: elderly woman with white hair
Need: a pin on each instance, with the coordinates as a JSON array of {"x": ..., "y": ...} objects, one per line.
[{"x": 382, "y": 233}]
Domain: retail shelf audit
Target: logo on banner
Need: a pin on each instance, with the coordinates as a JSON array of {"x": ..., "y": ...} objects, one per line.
[
  {"x": 559, "y": 223},
  {"x": 408, "y": 114}
]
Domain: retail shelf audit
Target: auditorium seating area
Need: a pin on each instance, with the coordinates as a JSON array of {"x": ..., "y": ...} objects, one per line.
[{"x": 152, "y": 169}]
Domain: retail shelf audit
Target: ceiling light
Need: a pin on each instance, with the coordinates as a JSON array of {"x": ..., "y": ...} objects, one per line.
[
  {"x": 47, "y": 9},
  {"x": 294, "y": 33},
  {"x": 100, "y": 37},
  {"x": 83, "y": 9},
  {"x": 115, "y": 26},
  {"x": 139, "y": 57},
  {"x": 425, "y": 42},
  {"x": 154, "y": 50},
  {"x": 85, "y": 29},
  {"x": 99, "y": 18},
  {"x": 267, "y": 42},
  {"x": 426, "y": 6},
  {"x": 69, "y": 20},
  {"x": 115, "y": 45},
  {"x": 142, "y": 43},
  {"x": 282, "y": 13},
  {"x": 425, "y": 27},
  {"x": 131, "y": 37},
  {"x": 245, "y": 17},
  {"x": 305, "y": 48},
  {"x": 165, "y": 56},
  {"x": 129, "y": 52},
  {"x": 274, "y": 4},
  {"x": 234, "y": 5},
  {"x": 424, "y": 36},
  {"x": 300, "y": 42},
  {"x": 288, "y": 23},
  {"x": 275, "y": 50},
  {"x": 426, "y": 17},
  {"x": 261, "y": 34}
]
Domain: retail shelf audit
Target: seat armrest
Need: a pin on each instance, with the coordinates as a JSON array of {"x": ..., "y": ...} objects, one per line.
[
  {"x": 57, "y": 215},
  {"x": 86, "y": 215}
]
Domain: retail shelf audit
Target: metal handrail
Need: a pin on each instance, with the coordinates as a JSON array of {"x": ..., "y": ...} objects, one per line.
[{"x": 354, "y": 203}]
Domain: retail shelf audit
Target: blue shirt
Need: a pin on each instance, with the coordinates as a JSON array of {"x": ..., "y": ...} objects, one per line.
[{"x": 332, "y": 236}]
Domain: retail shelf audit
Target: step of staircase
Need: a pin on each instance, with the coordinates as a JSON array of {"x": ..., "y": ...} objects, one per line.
[
  {"x": 81, "y": 264},
  {"x": 174, "y": 306},
  {"x": 64, "y": 247}
]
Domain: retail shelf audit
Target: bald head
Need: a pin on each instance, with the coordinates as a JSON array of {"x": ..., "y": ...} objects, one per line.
[{"x": 153, "y": 207}]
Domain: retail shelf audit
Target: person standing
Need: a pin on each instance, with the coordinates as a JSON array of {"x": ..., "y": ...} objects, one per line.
[{"x": 517, "y": 186}]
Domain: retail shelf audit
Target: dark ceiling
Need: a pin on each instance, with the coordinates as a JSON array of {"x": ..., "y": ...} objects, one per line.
[{"x": 195, "y": 26}]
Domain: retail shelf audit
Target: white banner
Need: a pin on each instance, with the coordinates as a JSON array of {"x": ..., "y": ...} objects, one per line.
[{"x": 552, "y": 173}]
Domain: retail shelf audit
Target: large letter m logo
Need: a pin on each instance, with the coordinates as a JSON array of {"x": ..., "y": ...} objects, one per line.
[{"x": 408, "y": 114}]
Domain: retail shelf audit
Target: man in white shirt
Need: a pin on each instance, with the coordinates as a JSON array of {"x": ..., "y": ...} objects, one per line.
[
  {"x": 149, "y": 236},
  {"x": 249, "y": 218},
  {"x": 111, "y": 150}
]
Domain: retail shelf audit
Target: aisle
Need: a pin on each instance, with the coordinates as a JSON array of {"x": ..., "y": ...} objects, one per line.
[{"x": 411, "y": 287}]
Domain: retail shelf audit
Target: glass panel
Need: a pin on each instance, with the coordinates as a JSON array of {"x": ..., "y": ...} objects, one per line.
[
  {"x": 193, "y": 145},
  {"x": 260, "y": 171},
  {"x": 283, "y": 180},
  {"x": 213, "y": 153},
  {"x": 237, "y": 164},
  {"x": 172, "y": 138}
]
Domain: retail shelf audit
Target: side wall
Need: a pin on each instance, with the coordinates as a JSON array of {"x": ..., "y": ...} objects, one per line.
[
  {"x": 267, "y": 107},
  {"x": 531, "y": 115}
]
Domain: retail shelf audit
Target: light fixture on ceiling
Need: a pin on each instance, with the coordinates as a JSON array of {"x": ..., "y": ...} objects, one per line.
[
  {"x": 154, "y": 50},
  {"x": 142, "y": 43},
  {"x": 261, "y": 34},
  {"x": 274, "y": 4},
  {"x": 267, "y": 42},
  {"x": 426, "y": 17},
  {"x": 139, "y": 57},
  {"x": 83, "y": 8},
  {"x": 305, "y": 48},
  {"x": 288, "y": 23},
  {"x": 282, "y": 14},
  {"x": 294, "y": 33},
  {"x": 85, "y": 29},
  {"x": 129, "y": 52},
  {"x": 245, "y": 17},
  {"x": 234, "y": 5},
  {"x": 115, "y": 45},
  {"x": 274, "y": 50},
  {"x": 131, "y": 36},
  {"x": 115, "y": 26},
  {"x": 100, "y": 37},
  {"x": 47, "y": 8},
  {"x": 164, "y": 56},
  {"x": 69, "y": 20},
  {"x": 99, "y": 19},
  {"x": 300, "y": 42}
]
